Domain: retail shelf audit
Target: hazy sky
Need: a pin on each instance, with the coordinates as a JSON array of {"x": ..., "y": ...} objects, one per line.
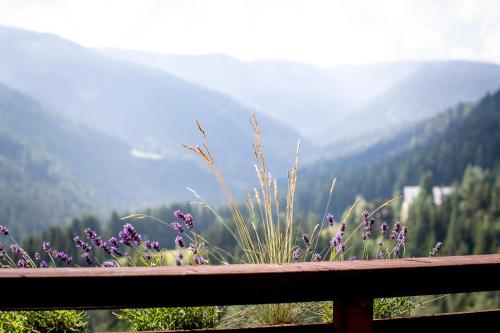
[{"x": 320, "y": 32}]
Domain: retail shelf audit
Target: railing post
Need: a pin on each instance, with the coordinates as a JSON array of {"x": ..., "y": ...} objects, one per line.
[{"x": 353, "y": 315}]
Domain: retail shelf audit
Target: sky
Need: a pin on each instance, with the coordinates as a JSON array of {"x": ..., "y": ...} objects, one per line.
[{"x": 324, "y": 33}]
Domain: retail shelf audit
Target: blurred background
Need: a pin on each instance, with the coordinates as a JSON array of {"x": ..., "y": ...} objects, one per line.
[{"x": 391, "y": 98}]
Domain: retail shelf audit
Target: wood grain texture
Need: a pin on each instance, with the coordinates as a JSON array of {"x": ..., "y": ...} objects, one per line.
[{"x": 89, "y": 288}]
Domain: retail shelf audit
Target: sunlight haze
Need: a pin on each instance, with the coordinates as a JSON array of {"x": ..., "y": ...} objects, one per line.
[{"x": 324, "y": 33}]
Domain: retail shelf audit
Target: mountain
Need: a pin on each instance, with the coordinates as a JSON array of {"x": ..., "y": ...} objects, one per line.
[
  {"x": 350, "y": 107},
  {"x": 426, "y": 92},
  {"x": 152, "y": 111},
  {"x": 53, "y": 169},
  {"x": 468, "y": 134}
]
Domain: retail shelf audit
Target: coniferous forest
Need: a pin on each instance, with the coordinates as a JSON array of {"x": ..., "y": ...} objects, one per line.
[{"x": 181, "y": 152}]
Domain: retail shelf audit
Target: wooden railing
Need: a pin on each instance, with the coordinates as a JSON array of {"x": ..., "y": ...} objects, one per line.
[{"x": 352, "y": 285}]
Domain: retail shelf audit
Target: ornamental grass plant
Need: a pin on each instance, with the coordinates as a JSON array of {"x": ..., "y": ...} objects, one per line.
[{"x": 265, "y": 231}]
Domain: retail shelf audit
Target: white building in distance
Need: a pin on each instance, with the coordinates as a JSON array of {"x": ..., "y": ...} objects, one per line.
[{"x": 410, "y": 194}]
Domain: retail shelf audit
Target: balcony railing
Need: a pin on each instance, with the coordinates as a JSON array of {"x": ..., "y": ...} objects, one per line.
[{"x": 352, "y": 285}]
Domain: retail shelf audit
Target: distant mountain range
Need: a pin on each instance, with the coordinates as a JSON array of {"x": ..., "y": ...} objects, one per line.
[
  {"x": 86, "y": 130},
  {"x": 350, "y": 107},
  {"x": 150, "y": 110}
]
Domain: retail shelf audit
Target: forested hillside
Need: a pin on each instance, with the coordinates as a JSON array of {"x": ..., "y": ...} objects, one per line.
[
  {"x": 53, "y": 169},
  {"x": 445, "y": 145}
]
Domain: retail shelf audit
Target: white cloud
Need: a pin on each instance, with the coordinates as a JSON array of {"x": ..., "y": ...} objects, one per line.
[{"x": 321, "y": 32}]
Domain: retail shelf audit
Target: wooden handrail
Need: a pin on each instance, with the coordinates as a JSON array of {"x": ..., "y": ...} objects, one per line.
[{"x": 352, "y": 284}]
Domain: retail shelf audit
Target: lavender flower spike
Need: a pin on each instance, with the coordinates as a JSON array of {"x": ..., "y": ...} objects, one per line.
[
  {"x": 22, "y": 263},
  {"x": 153, "y": 245},
  {"x": 296, "y": 253},
  {"x": 86, "y": 257},
  {"x": 200, "y": 261},
  {"x": 116, "y": 251},
  {"x": 192, "y": 248},
  {"x": 43, "y": 264},
  {"x": 114, "y": 242},
  {"x": 129, "y": 236},
  {"x": 179, "y": 241},
  {"x": 187, "y": 218},
  {"x": 81, "y": 244},
  {"x": 64, "y": 257},
  {"x": 4, "y": 230},
  {"x": 46, "y": 246},
  {"x": 177, "y": 227},
  {"x": 329, "y": 218},
  {"x": 436, "y": 249},
  {"x": 383, "y": 228},
  {"x": 109, "y": 264}
]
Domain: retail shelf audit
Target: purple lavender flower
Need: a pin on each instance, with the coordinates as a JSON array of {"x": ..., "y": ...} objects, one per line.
[
  {"x": 187, "y": 218},
  {"x": 340, "y": 247},
  {"x": 203, "y": 245},
  {"x": 352, "y": 258},
  {"x": 380, "y": 255},
  {"x": 192, "y": 248},
  {"x": 317, "y": 257},
  {"x": 114, "y": 242},
  {"x": 46, "y": 246},
  {"x": 105, "y": 247},
  {"x": 86, "y": 257},
  {"x": 2, "y": 250},
  {"x": 178, "y": 260},
  {"x": 91, "y": 234},
  {"x": 177, "y": 227},
  {"x": 116, "y": 251},
  {"x": 147, "y": 255},
  {"x": 64, "y": 257},
  {"x": 306, "y": 239},
  {"x": 4, "y": 230},
  {"x": 396, "y": 250},
  {"x": 179, "y": 241},
  {"x": 401, "y": 238},
  {"x": 95, "y": 239},
  {"x": 395, "y": 230},
  {"x": 177, "y": 213},
  {"x": 37, "y": 256},
  {"x": 364, "y": 215},
  {"x": 383, "y": 228},
  {"x": 200, "y": 261},
  {"x": 43, "y": 264},
  {"x": 22, "y": 263},
  {"x": 15, "y": 248},
  {"x": 19, "y": 250},
  {"x": 296, "y": 254},
  {"x": 368, "y": 227},
  {"x": 401, "y": 235},
  {"x": 129, "y": 236},
  {"x": 153, "y": 245},
  {"x": 436, "y": 249},
  {"x": 329, "y": 218},
  {"x": 81, "y": 244},
  {"x": 342, "y": 227},
  {"x": 109, "y": 264},
  {"x": 338, "y": 242}
]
